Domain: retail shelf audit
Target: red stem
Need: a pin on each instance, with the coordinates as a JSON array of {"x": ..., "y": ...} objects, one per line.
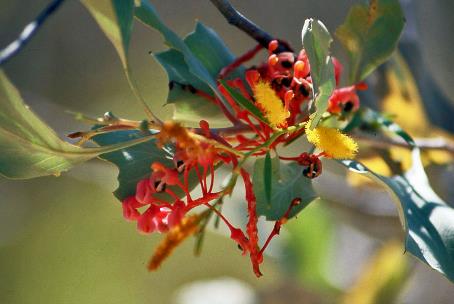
[
  {"x": 204, "y": 190},
  {"x": 212, "y": 178},
  {"x": 239, "y": 61}
]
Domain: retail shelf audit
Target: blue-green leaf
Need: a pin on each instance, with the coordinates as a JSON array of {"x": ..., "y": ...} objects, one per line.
[
  {"x": 133, "y": 163},
  {"x": 146, "y": 13},
  {"x": 371, "y": 120},
  {"x": 316, "y": 42},
  {"x": 427, "y": 219},
  {"x": 391, "y": 127},
  {"x": 268, "y": 176},
  {"x": 212, "y": 52},
  {"x": 287, "y": 183}
]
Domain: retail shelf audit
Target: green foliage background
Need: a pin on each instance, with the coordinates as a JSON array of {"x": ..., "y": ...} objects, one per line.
[{"x": 64, "y": 239}]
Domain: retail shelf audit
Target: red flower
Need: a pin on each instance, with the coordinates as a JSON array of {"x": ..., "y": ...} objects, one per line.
[
  {"x": 280, "y": 90},
  {"x": 344, "y": 99}
]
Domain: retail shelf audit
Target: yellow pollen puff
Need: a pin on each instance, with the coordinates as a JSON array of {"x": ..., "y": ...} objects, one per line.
[
  {"x": 270, "y": 104},
  {"x": 331, "y": 141}
]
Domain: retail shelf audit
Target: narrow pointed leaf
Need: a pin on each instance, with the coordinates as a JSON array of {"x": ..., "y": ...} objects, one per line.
[{"x": 244, "y": 102}]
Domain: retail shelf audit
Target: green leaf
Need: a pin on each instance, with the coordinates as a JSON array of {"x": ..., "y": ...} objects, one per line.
[
  {"x": 207, "y": 46},
  {"x": 134, "y": 162},
  {"x": 388, "y": 125},
  {"x": 191, "y": 108},
  {"x": 188, "y": 107},
  {"x": 115, "y": 17},
  {"x": 268, "y": 175},
  {"x": 146, "y": 13},
  {"x": 370, "y": 34},
  {"x": 244, "y": 102},
  {"x": 211, "y": 51},
  {"x": 370, "y": 121},
  {"x": 427, "y": 219},
  {"x": 30, "y": 148},
  {"x": 288, "y": 183},
  {"x": 178, "y": 71},
  {"x": 316, "y": 42}
]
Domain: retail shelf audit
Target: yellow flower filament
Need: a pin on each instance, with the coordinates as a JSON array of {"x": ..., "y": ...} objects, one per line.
[
  {"x": 331, "y": 141},
  {"x": 270, "y": 104}
]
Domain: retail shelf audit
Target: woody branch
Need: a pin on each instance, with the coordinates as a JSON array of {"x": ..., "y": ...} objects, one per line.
[
  {"x": 28, "y": 32},
  {"x": 235, "y": 18}
]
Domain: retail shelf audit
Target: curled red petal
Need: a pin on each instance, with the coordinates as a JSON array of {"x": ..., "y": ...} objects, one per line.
[
  {"x": 177, "y": 214},
  {"x": 130, "y": 206},
  {"x": 161, "y": 221},
  {"x": 146, "y": 223},
  {"x": 252, "y": 76},
  {"x": 238, "y": 236}
]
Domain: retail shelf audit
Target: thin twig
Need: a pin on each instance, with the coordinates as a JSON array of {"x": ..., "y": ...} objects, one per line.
[
  {"x": 435, "y": 143},
  {"x": 236, "y": 19},
  {"x": 28, "y": 32},
  {"x": 132, "y": 84}
]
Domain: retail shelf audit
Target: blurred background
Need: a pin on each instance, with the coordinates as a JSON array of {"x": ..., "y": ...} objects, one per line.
[{"x": 63, "y": 240}]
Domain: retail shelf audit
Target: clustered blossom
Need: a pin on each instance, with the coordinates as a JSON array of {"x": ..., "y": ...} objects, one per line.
[
  {"x": 280, "y": 89},
  {"x": 331, "y": 141}
]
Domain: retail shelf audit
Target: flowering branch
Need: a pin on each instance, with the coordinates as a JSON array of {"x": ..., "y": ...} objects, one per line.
[
  {"x": 28, "y": 32},
  {"x": 237, "y": 19}
]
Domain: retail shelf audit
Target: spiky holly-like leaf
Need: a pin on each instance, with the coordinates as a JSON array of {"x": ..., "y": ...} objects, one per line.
[
  {"x": 428, "y": 221},
  {"x": 203, "y": 52},
  {"x": 287, "y": 183},
  {"x": 212, "y": 52}
]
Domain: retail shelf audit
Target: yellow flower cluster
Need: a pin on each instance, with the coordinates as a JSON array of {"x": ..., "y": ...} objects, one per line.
[
  {"x": 270, "y": 104},
  {"x": 331, "y": 141}
]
